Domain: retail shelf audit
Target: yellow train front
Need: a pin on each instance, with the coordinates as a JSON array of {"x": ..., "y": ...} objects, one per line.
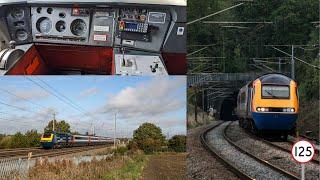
[{"x": 269, "y": 104}]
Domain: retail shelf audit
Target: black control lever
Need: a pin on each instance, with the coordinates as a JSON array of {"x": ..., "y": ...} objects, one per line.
[{"x": 154, "y": 69}]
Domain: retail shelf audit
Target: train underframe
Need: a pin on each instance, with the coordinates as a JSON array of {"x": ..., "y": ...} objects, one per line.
[{"x": 250, "y": 125}]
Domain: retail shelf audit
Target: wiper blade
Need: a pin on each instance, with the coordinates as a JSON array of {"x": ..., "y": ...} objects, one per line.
[{"x": 272, "y": 95}]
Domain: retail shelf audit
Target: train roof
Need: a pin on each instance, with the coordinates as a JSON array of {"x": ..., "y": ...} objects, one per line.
[
  {"x": 275, "y": 79},
  {"x": 146, "y": 2}
]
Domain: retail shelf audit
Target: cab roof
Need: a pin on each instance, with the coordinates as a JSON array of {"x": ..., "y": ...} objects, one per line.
[{"x": 275, "y": 79}]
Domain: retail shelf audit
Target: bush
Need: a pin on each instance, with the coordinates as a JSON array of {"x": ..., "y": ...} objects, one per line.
[
  {"x": 178, "y": 143},
  {"x": 149, "y": 138},
  {"x": 19, "y": 140},
  {"x": 121, "y": 150}
]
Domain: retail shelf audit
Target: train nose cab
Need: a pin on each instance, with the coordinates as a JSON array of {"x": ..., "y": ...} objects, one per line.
[
  {"x": 47, "y": 140},
  {"x": 126, "y": 37},
  {"x": 275, "y": 105}
]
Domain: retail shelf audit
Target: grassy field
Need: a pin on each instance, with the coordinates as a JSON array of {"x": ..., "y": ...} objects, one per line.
[
  {"x": 123, "y": 165},
  {"x": 131, "y": 170}
]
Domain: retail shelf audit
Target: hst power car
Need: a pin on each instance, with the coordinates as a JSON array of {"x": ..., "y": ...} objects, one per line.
[
  {"x": 269, "y": 104},
  {"x": 51, "y": 140}
]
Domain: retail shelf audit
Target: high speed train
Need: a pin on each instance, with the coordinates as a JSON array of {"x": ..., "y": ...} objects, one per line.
[
  {"x": 52, "y": 140},
  {"x": 269, "y": 104}
]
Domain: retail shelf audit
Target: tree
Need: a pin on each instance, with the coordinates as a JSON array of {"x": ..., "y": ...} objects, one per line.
[
  {"x": 18, "y": 141},
  {"x": 149, "y": 138},
  {"x": 178, "y": 143},
  {"x": 33, "y": 138},
  {"x": 61, "y": 126}
]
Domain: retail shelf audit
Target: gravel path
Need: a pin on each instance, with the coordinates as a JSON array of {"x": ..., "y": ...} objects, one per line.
[
  {"x": 265, "y": 151},
  {"x": 241, "y": 161},
  {"x": 200, "y": 163}
]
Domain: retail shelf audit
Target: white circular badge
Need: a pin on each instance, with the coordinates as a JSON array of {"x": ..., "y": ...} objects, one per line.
[{"x": 302, "y": 151}]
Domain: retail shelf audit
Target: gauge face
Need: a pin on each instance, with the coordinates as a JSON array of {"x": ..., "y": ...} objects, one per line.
[
  {"x": 78, "y": 27},
  {"x": 17, "y": 13},
  {"x": 22, "y": 35},
  {"x": 44, "y": 25},
  {"x": 60, "y": 26}
]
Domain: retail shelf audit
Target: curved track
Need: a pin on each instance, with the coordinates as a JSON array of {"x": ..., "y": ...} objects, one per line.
[
  {"x": 226, "y": 162},
  {"x": 242, "y": 163}
]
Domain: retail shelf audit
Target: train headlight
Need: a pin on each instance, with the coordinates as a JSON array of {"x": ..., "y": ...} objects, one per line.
[
  {"x": 291, "y": 109},
  {"x": 263, "y": 109},
  {"x": 258, "y": 109},
  {"x": 285, "y": 110}
]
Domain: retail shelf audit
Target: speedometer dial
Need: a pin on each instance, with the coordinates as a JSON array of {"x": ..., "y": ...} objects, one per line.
[
  {"x": 44, "y": 25},
  {"x": 78, "y": 27}
]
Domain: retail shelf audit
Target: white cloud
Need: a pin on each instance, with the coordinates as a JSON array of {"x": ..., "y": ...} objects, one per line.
[
  {"x": 29, "y": 94},
  {"x": 89, "y": 92},
  {"x": 159, "y": 96}
]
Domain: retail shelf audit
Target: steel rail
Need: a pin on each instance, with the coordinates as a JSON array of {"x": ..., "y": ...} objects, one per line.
[
  {"x": 275, "y": 145},
  {"x": 54, "y": 152},
  {"x": 281, "y": 171},
  {"x": 226, "y": 162}
]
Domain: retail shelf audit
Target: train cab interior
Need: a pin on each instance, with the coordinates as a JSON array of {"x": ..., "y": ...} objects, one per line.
[{"x": 107, "y": 37}]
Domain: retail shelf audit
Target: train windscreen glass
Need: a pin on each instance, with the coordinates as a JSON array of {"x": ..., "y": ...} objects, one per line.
[
  {"x": 275, "y": 92},
  {"x": 46, "y": 135}
]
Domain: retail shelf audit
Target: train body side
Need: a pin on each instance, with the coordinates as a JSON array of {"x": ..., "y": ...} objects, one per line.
[
  {"x": 60, "y": 140},
  {"x": 266, "y": 111}
]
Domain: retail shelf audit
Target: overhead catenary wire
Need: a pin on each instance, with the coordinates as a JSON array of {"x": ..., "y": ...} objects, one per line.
[
  {"x": 82, "y": 110},
  {"x": 57, "y": 94},
  {"x": 316, "y": 67},
  {"x": 20, "y": 97},
  {"x": 205, "y": 17}
]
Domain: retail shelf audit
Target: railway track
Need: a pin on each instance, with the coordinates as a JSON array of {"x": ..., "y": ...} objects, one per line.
[
  {"x": 244, "y": 164},
  {"x": 4, "y": 153},
  {"x": 279, "y": 157},
  {"x": 23, "y": 154},
  {"x": 278, "y": 145}
]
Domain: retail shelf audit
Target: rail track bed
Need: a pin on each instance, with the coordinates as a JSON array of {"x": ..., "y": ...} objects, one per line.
[
  {"x": 5, "y": 153},
  {"x": 275, "y": 153},
  {"x": 284, "y": 145},
  {"x": 39, "y": 152},
  {"x": 200, "y": 162},
  {"x": 243, "y": 163}
]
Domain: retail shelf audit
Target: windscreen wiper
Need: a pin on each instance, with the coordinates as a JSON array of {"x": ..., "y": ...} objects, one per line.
[{"x": 272, "y": 95}]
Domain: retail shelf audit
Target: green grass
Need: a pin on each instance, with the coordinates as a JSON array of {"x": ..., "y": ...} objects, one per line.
[{"x": 131, "y": 170}]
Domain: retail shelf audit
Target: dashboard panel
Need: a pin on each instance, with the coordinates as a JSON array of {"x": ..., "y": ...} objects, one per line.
[
  {"x": 146, "y": 28},
  {"x": 142, "y": 28},
  {"x": 60, "y": 25},
  {"x": 102, "y": 29}
]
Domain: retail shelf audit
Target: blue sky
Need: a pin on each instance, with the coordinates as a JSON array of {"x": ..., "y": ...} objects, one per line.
[{"x": 29, "y": 103}]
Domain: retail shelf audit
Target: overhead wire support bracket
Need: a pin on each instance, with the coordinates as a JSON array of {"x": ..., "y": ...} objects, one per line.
[{"x": 316, "y": 67}]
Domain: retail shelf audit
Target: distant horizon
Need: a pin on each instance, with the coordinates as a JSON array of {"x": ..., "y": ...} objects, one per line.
[{"x": 81, "y": 101}]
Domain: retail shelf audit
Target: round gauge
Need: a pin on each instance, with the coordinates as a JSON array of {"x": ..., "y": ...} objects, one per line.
[
  {"x": 49, "y": 10},
  {"x": 60, "y": 26},
  {"x": 39, "y": 9},
  {"x": 78, "y": 27},
  {"x": 17, "y": 13},
  {"x": 21, "y": 35},
  {"x": 44, "y": 25}
]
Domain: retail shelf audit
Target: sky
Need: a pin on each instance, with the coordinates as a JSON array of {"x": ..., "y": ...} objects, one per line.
[{"x": 29, "y": 103}]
